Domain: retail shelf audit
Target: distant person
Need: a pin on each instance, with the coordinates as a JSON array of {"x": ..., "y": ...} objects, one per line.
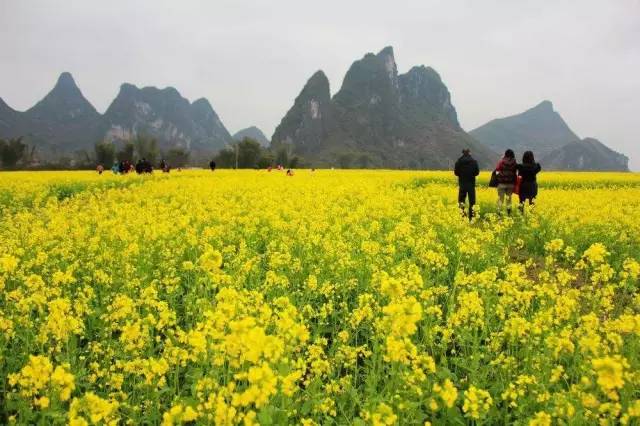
[
  {"x": 147, "y": 167},
  {"x": 115, "y": 168},
  {"x": 100, "y": 169},
  {"x": 529, "y": 185},
  {"x": 506, "y": 174},
  {"x": 212, "y": 165},
  {"x": 164, "y": 166},
  {"x": 466, "y": 169},
  {"x": 140, "y": 166},
  {"x": 289, "y": 172}
]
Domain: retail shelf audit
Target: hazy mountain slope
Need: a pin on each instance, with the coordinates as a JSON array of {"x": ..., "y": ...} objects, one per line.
[
  {"x": 543, "y": 131},
  {"x": 252, "y": 132},
  {"x": 378, "y": 118},
  {"x": 540, "y": 129},
  {"x": 165, "y": 115},
  {"x": 587, "y": 154},
  {"x": 308, "y": 123},
  {"x": 64, "y": 121}
]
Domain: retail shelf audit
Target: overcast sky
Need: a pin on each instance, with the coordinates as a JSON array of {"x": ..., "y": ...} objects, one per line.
[{"x": 251, "y": 59}]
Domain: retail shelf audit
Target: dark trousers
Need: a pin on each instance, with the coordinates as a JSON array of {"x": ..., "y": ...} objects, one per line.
[
  {"x": 467, "y": 189},
  {"x": 528, "y": 191}
]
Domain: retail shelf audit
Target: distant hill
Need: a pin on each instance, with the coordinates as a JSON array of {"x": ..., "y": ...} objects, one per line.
[
  {"x": 542, "y": 130},
  {"x": 253, "y": 133},
  {"x": 378, "y": 118},
  {"x": 586, "y": 154},
  {"x": 167, "y": 116},
  {"x": 8, "y": 120},
  {"x": 64, "y": 122}
]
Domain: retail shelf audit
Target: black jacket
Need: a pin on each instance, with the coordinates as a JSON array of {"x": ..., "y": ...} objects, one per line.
[
  {"x": 466, "y": 169},
  {"x": 528, "y": 171}
]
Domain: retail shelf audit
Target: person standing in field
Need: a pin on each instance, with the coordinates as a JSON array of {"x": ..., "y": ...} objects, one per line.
[
  {"x": 466, "y": 168},
  {"x": 529, "y": 185},
  {"x": 506, "y": 174},
  {"x": 212, "y": 165},
  {"x": 164, "y": 166}
]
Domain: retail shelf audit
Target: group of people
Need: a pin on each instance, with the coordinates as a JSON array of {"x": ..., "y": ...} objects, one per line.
[
  {"x": 122, "y": 167},
  {"x": 141, "y": 166},
  {"x": 509, "y": 177},
  {"x": 144, "y": 166},
  {"x": 280, "y": 168}
]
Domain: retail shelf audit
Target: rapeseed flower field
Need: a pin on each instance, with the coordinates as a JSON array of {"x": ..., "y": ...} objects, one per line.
[{"x": 329, "y": 297}]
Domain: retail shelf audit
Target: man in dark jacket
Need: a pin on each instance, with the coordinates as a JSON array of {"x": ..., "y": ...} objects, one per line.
[{"x": 466, "y": 169}]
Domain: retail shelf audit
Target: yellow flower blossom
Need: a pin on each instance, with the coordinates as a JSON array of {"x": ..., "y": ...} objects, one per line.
[
  {"x": 476, "y": 402},
  {"x": 247, "y": 297}
]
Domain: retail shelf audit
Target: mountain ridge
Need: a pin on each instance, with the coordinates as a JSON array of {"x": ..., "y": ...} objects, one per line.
[
  {"x": 542, "y": 129},
  {"x": 588, "y": 154},
  {"x": 378, "y": 118},
  {"x": 64, "y": 122},
  {"x": 252, "y": 132}
]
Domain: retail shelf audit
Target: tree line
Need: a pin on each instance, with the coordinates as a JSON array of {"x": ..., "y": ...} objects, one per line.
[
  {"x": 12, "y": 151},
  {"x": 249, "y": 154},
  {"x": 244, "y": 154},
  {"x": 106, "y": 153},
  {"x": 15, "y": 154}
]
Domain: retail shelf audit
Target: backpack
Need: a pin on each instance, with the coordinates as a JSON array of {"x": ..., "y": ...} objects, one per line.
[
  {"x": 493, "y": 181},
  {"x": 508, "y": 173}
]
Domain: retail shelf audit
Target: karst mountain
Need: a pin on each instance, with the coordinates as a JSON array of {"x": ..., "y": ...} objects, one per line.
[
  {"x": 64, "y": 122},
  {"x": 254, "y": 133},
  {"x": 378, "y": 118},
  {"x": 542, "y": 130}
]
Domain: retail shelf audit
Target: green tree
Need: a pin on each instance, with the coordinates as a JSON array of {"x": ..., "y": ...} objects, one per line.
[
  {"x": 126, "y": 152},
  {"x": 345, "y": 159},
  {"x": 249, "y": 153},
  {"x": 226, "y": 158},
  {"x": 105, "y": 153},
  {"x": 282, "y": 157},
  {"x": 266, "y": 159},
  {"x": 294, "y": 162},
  {"x": 12, "y": 151},
  {"x": 177, "y": 157},
  {"x": 30, "y": 155},
  {"x": 147, "y": 148},
  {"x": 364, "y": 161}
]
